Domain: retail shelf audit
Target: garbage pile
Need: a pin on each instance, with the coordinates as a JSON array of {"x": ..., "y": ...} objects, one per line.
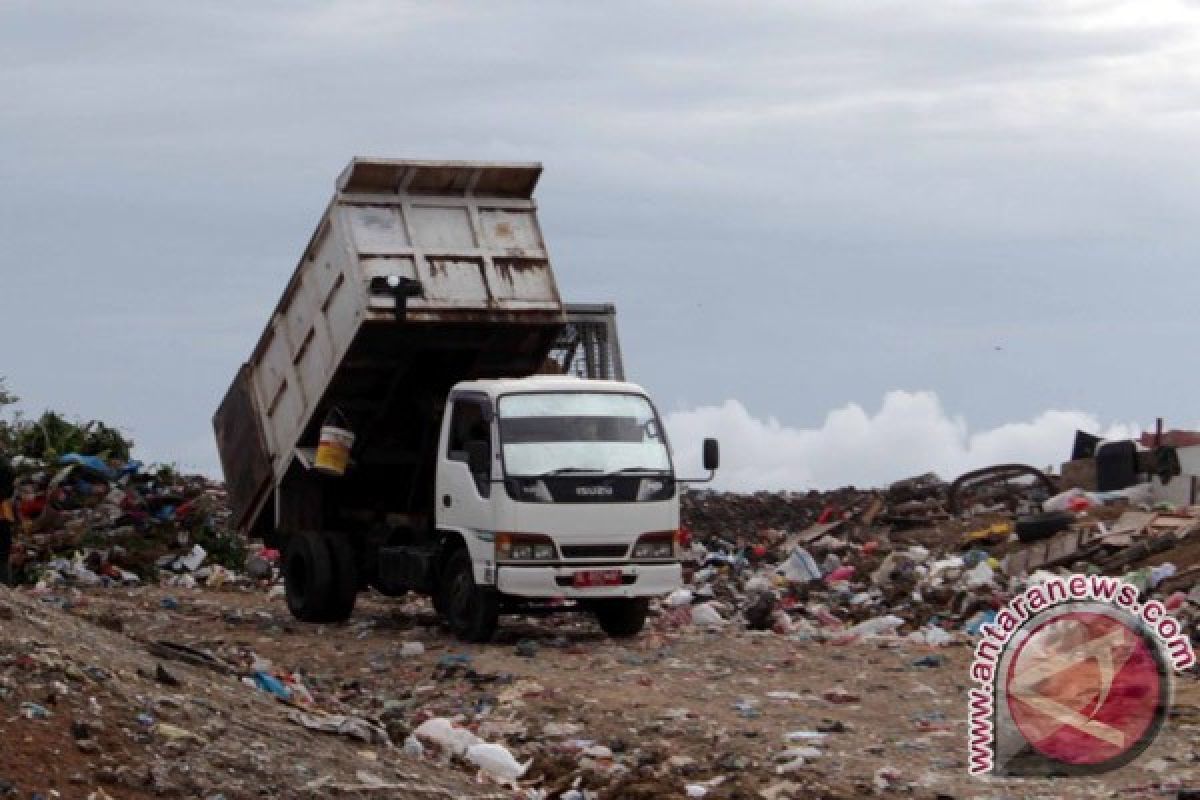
[
  {"x": 86, "y": 521},
  {"x": 95, "y": 710},
  {"x": 930, "y": 560}
]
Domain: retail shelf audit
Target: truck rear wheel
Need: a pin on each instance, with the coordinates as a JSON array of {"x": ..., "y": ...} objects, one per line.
[
  {"x": 307, "y": 577},
  {"x": 622, "y": 617},
  {"x": 472, "y": 611},
  {"x": 344, "y": 569}
]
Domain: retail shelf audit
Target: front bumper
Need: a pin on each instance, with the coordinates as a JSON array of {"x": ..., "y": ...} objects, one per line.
[{"x": 638, "y": 580}]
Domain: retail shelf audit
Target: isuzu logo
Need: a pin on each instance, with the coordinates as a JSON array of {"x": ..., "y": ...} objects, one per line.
[{"x": 594, "y": 491}]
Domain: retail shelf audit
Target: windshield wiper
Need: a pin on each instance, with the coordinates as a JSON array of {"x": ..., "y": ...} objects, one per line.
[
  {"x": 567, "y": 470},
  {"x": 651, "y": 470}
]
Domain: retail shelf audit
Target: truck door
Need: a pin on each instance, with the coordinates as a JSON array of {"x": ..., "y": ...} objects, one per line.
[{"x": 464, "y": 499}]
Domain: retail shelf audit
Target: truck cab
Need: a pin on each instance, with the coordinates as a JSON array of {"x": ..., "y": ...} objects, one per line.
[{"x": 556, "y": 487}]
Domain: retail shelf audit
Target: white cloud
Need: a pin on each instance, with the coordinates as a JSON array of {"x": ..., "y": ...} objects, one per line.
[{"x": 910, "y": 434}]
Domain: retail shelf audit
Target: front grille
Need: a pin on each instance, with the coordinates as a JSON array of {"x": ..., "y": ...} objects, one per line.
[{"x": 594, "y": 550}]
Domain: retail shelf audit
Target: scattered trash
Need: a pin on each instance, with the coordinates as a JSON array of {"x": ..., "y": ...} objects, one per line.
[
  {"x": 884, "y": 589},
  {"x": 341, "y": 724},
  {"x": 496, "y": 761},
  {"x": 34, "y": 711},
  {"x": 705, "y": 615},
  {"x": 269, "y": 683}
]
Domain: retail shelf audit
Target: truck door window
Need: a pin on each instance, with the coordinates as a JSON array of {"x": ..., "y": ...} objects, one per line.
[{"x": 468, "y": 424}]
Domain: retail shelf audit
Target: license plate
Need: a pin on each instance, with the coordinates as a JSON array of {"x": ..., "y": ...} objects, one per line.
[{"x": 587, "y": 578}]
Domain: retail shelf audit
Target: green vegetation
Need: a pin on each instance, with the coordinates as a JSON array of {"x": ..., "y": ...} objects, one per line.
[{"x": 52, "y": 435}]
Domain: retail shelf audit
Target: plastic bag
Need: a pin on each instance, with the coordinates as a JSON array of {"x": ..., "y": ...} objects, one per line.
[
  {"x": 982, "y": 575},
  {"x": 679, "y": 598},
  {"x": 1062, "y": 501},
  {"x": 876, "y": 626},
  {"x": 496, "y": 761},
  {"x": 800, "y": 567},
  {"x": 446, "y": 735},
  {"x": 706, "y": 616}
]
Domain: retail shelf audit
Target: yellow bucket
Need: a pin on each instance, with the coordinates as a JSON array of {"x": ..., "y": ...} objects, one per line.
[{"x": 333, "y": 450}]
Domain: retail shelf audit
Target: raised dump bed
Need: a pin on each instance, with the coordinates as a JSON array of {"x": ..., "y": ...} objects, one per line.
[{"x": 420, "y": 274}]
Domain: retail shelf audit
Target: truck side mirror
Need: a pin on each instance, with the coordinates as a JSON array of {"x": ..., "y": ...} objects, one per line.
[
  {"x": 479, "y": 457},
  {"x": 712, "y": 454}
]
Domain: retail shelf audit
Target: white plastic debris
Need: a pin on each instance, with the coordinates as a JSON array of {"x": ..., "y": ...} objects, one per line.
[
  {"x": 496, "y": 761},
  {"x": 876, "y": 626},
  {"x": 446, "y": 735},
  {"x": 705, "y": 615},
  {"x": 679, "y": 598},
  {"x": 409, "y": 649},
  {"x": 413, "y": 747},
  {"x": 933, "y": 635},
  {"x": 1161, "y": 573},
  {"x": 598, "y": 751},
  {"x": 192, "y": 561},
  {"x": 800, "y": 567},
  {"x": 981, "y": 575},
  {"x": 1062, "y": 501},
  {"x": 799, "y": 752},
  {"x": 918, "y": 553},
  {"x": 791, "y": 766},
  {"x": 758, "y": 583}
]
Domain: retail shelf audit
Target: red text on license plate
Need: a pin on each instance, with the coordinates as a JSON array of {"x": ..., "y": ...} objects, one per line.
[{"x": 597, "y": 577}]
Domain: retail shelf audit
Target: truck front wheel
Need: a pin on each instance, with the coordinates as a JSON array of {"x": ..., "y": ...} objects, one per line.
[
  {"x": 472, "y": 611},
  {"x": 307, "y": 577},
  {"x": 622, "y": 617}
]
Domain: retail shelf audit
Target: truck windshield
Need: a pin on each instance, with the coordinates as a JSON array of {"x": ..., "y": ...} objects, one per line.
[{"x": 545, "y": 433}]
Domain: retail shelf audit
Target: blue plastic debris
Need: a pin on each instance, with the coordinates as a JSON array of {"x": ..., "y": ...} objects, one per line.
[
  {"x": 929, "y": 661},
  {"x": 975, "y": 624},
  {"x": 269, "y": 683},
  {"x": 93, "y": 463}
]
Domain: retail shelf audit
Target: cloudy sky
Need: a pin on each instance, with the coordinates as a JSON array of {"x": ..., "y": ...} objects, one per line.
[{"x": 855, "y": 239}]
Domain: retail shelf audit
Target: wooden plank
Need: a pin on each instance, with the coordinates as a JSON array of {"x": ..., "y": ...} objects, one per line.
[
  {"x": 810, "y": 534},
  {"x": 1133, "y": 523}
]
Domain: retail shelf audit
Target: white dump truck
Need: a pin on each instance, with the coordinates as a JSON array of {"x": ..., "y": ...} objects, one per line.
[{"x": 405, "y": 423}]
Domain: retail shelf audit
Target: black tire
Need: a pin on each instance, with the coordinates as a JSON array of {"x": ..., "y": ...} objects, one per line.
[
  {"x": 471, "y": 611},
  {"x": 622, "y": 617},
  {"x": 307, "y": 577},
  {"x": 344, "y": 568},
  {"x": 1036, "y": 527}
]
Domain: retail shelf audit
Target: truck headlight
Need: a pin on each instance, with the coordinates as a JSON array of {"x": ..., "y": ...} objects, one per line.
[
  {"x": 658, "y": 545},
  {"x": 528, "y": 490},
  {"x": 524, "y": 547},
  {"x": 657, "y": 488}
]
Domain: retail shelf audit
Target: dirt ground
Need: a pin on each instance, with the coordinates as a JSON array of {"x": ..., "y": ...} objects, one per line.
[{"x": 640, "y": 718}]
